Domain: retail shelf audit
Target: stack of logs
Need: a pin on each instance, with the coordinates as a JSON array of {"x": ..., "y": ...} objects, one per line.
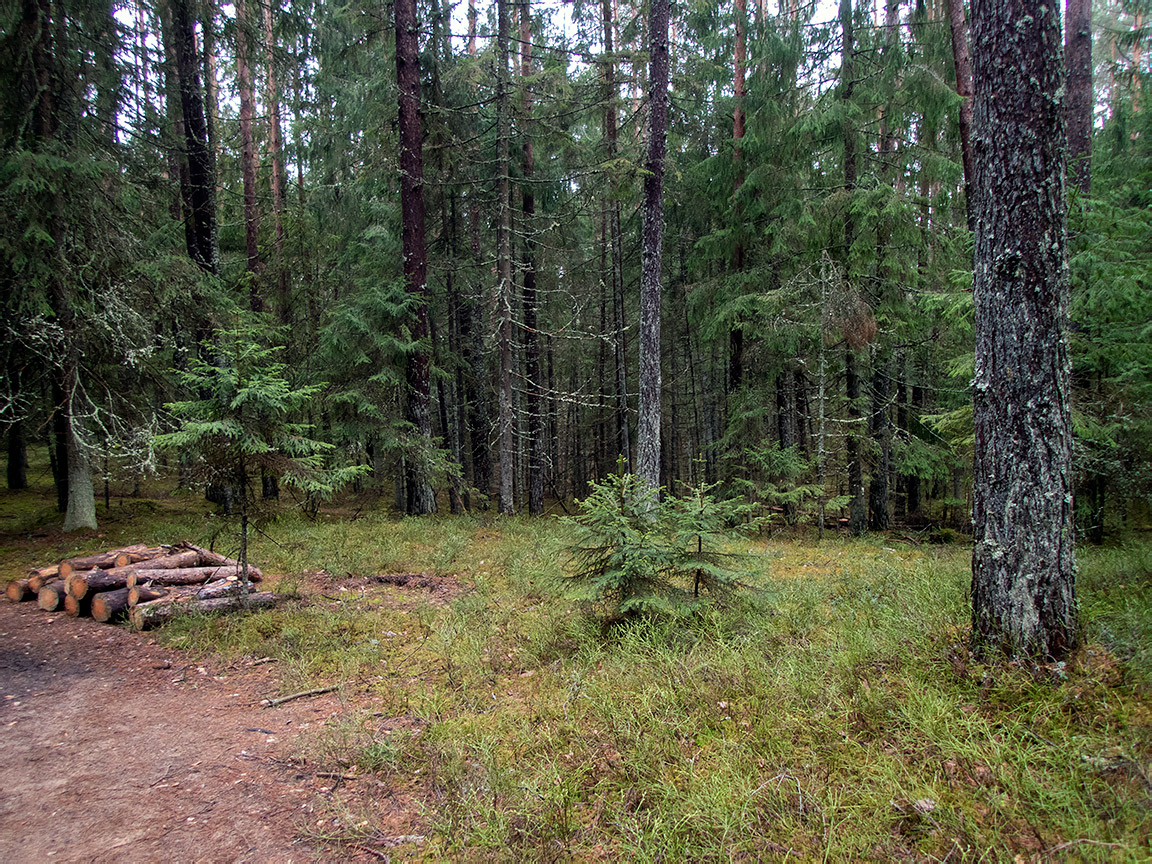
[{"x": 146, "y": 584}]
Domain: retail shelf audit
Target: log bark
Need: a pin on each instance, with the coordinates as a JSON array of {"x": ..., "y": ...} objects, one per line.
[
  {"x": 113, "y": 558},
  {"x": 157, "y": 612},
  {"x": 86, "y": 582},
  {"x": 188, "y": 575},
  {"x": 53, "y": 571},
  {"x": 111, "y": 604},
  {"x": 209, "y": 558},
  {"x": 18, "y": 591},
  {"x": 38, "y": 580},
  {"x": 51, "y": 596},
  {"x": 138, "y": 594}
]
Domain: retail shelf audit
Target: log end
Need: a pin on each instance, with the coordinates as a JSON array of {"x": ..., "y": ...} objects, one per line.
[{"x": 19, "y": 591}]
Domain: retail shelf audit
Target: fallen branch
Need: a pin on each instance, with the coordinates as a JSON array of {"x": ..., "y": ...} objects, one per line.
[{"x": 319, "y": 691}]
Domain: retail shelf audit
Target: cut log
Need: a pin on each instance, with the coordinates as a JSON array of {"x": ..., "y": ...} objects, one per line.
[
  {"x": 19, "y": 591},
  {"x": 223, "y": 588},
  {"x": 142, "y": 594},
  {"x": 208, "y": 558},
  {"x": 186, "y": 575},
  {"x": 85, "y": 582},
  {"x": 110, "y": 604},
  {"x": 53, "y": 571},
  {"x": 51, "y": 596},
  {"x": 113, "y": 558},
  {"x": 153, "y": 614},
  {"x": 78, "y": 608},
  {"x": 38, "y": 580}
]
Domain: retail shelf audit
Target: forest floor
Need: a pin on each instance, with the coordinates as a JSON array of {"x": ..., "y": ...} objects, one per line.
[
  {"x": 113, "y": 748},
  {"x": 481, "y": 714}
]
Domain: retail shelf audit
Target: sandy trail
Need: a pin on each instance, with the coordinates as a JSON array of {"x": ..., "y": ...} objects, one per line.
[{"x": 114, "y": 749}]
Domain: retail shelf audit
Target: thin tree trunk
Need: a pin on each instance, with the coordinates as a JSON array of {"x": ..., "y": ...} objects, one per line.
[
  {"x": 1023, "y": 596},
  {"x": 275, "y": 138},
  {"x": 880, "y": 430},
  {"x": 17, "y": 457},
  {"x": 648, "y": 434},
  {"x": 248, "y": 155},
  {"x": 504, "y": 292},
  {"x": 959, "y": 27},
  {"x": 419, "y": 498},
  {"x": 531, "y": 335},
  {"x": 616, "y": 245},
  {"x": 201, "y": 177},
  {"x": 856, "y": 507},
  {"x": 736, "y": 333}
]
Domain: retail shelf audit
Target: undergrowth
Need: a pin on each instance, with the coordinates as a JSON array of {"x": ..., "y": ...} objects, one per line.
[{"x": 838, "y": 717}]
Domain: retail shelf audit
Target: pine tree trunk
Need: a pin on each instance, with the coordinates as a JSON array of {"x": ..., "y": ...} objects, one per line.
[
  {"x": 275, "y": 152},
  {"x": 880, "y": 430},
  {"x": 531, "y": 334},
  {"x": 856, "y": 506},
  {"x": 648, "y": 433},
  {"x": 201, "y": 177},
  {"x": 419, "y": 498},
  {"x": 1023, "y": 598},
  {"x": 504, "y": 298},
  {"x": 248, "y": 155},
  {"x": 1078, "y": 56},
  {"x": 615, "y": 240},
  {"x": 17, "y": 457},
  {"x": 960, "y": 54}
]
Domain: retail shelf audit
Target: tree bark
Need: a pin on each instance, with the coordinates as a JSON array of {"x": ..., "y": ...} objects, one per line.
[
  {"x": 856, "y": 506},
  {"x": 201, "y": 177},
  {"x": 418, "y": 403},
  {"x": 248, "y": 155},
  {"x": 615, "y": 239},
  {"x": 1078, "y": 56},
  {"x": 275, "y": 152},
  {"x": 531, "y": 334},
  {"x": 1023, "y": 597},
  {"x": 17, "y": 457},
  {"x": 504, "y": 297},
  {"x": 960, "y": 54},
  {"x": 648, "y": 432}
]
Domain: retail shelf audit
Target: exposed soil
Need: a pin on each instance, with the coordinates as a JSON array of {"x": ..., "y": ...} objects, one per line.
[{"x": 115, "y": 749}]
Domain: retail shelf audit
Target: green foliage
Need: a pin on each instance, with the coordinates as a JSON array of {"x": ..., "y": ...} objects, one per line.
[
  {"x": 242, "y": 422},
  {"x": 635, "y": 554}
]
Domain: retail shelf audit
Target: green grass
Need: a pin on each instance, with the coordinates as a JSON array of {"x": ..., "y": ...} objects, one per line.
[{"x": 833, "y": 715}]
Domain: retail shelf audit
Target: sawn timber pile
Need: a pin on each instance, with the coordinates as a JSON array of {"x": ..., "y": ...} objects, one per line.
[{"x": 145, "y": 584}]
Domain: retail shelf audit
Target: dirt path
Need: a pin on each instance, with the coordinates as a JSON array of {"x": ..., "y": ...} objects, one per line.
[{"x": 112, "y": 750}]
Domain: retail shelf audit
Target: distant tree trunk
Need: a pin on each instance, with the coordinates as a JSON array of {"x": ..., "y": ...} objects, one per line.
[
  {"x": 419, "y": 497},
  {"x": 1023, "y": 597},
  {"x": 960, "y": 54},
  {"x": 275, "y": 151},
  {"x": 736, "y": 333},
  {"x": 201, "y": 177},
  {"x": 880, "y": 430},
  {"x": 531, "y": 336},
  {"x": 248, "y": 155},
  {"x": 504, "y": 298},
  {"x": 856, "y": 506},
  {"x": 648, "y": 434},
  {"x": 616, "y": 244},
  {"x": 212, "y": 140},
  {"x": 1078, "y": 56},
  {"x": 17, "y": 457}
]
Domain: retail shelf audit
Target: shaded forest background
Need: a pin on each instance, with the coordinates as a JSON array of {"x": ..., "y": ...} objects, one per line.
[{"x": 181, "y": 177}]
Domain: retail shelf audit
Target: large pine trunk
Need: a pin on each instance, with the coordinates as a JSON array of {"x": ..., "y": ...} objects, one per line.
[
  {"x": 648, "y": 432},
  {"x": 418, "y": 404},
  {"x": 1023, "y": 598}
]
